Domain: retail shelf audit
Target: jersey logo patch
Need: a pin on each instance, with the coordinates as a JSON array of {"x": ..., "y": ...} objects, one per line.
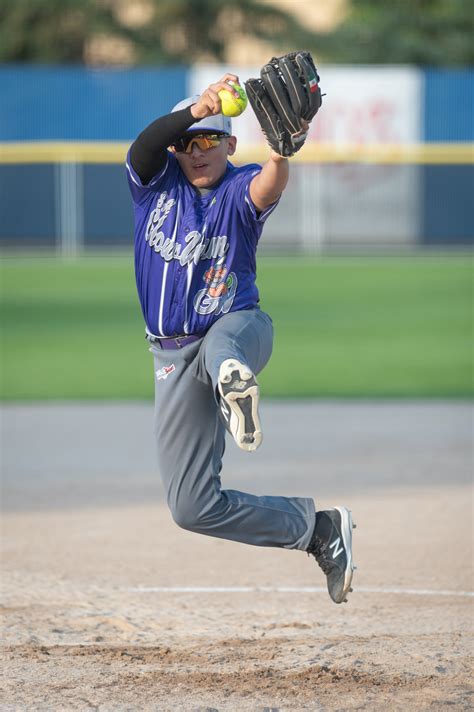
[
  {"x": 219, "y": 294},
  {"x": 164, "y": 372}
]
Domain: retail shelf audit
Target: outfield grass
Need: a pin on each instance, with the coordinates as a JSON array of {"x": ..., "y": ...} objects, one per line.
[{"x": 344, "y": 327}]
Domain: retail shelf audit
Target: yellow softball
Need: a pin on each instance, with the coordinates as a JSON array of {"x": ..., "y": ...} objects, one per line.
[{"x": 232, "y": 105}]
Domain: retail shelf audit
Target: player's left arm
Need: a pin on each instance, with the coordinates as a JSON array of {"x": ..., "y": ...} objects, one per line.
[
  {"x": 269, "y": 184},
  {"x": 284, "y": 99}
]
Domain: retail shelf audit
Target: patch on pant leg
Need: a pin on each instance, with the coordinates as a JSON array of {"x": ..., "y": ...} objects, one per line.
[{"x": 164, "y": 372}]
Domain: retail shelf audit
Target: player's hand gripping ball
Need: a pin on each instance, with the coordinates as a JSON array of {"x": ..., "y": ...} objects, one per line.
[{"x": 232, "y": 105}]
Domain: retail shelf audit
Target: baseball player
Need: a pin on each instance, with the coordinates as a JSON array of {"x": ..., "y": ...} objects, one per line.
[{"x": 198, "y": 220}]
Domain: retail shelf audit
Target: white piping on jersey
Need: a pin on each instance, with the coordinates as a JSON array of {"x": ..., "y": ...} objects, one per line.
[
  {"x": 157, "y": 177},
  {"x": 162, "y": 298},
  {"x": 264, "y": 213},
  {"x": 189, "y": 276},
  {"x": 132, "y": 176},
  {"x": 165, "y": 271}
]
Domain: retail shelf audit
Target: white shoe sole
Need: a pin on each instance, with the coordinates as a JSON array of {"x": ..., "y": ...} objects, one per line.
[
  {"x": 346, "y": 531},
  {"x": 240, "y": 395}
]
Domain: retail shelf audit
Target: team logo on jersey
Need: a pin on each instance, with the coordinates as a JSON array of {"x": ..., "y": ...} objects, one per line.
[
  {"x": 160, "y": 213},
  {"x": 218, "y": 296},
  {"x": 164, "y": 372},
  {"x": 196, "y": 246}
]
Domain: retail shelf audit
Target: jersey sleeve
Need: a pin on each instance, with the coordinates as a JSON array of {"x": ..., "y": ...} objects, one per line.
[{"x": 141, "y": 192}]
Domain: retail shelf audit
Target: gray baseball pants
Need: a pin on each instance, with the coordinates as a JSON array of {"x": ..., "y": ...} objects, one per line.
[{"x": 190, "y": 438}]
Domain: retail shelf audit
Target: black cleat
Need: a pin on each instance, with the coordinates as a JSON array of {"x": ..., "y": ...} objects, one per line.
[
  {"x": 239, "y": 396},
  {"x": 331, "y": 546}
]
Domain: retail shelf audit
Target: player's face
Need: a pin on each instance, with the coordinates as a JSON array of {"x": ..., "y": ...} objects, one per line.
[{"x": 205, "y": 166}]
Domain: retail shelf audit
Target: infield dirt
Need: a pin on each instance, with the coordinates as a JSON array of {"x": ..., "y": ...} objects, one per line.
[{"x": 82, "y": 632}]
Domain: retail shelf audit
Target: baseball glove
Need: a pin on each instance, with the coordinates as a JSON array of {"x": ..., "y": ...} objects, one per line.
[{"x": 286, "y": 95}]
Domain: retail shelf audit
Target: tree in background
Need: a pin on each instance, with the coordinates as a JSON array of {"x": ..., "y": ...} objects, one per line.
[
  {"x": 423, "y": 32},
  {"x": 53, "y": 31},
  {"x": 163, "y": 31},
  {"x": 194, "y": 30}
]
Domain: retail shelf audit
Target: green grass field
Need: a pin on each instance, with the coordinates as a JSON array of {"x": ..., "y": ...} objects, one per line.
[{"x": 344, "y": 327}]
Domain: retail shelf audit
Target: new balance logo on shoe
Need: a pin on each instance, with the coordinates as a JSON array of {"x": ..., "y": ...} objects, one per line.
[
  {"x": 225, "y": 411},
  {"x": 331, "y": 546},
  {"x": 334, "y": 546},
  {"x": 239, "y": 385}
]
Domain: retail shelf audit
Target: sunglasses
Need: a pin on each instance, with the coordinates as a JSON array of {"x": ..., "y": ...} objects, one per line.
[{"x": 203, "y": 142}]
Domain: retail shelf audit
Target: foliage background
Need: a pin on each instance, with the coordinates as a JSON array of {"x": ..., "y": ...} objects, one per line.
[{"x": 425, "y": 32}]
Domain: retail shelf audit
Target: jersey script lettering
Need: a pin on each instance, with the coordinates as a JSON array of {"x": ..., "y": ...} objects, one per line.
[{"x": 197, "y": 247}]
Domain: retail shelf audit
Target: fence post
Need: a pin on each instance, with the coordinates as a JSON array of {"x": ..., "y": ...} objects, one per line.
[{"x": 69, "y": 208}]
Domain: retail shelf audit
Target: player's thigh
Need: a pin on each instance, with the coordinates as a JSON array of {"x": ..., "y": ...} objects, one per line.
[
  {"x": 244, "y": 335},
  {"x": 186, "y": 423}
]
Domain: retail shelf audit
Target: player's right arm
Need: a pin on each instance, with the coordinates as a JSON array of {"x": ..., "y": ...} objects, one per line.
[{"x": 148, "y": 152}]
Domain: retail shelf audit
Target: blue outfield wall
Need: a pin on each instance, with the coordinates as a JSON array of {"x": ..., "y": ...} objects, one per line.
[
  {"x": 31, "y": 216},
  {"x": 73, "y": 103},
  {"x": 108, "y": 212},
  {"x": 448, "y": 191},
  {"x": 448, "y": 105},
  {"x": 27, "y": 204},
  {"x": 448, "y": 215},
  {"x": 77, "y": 104}
]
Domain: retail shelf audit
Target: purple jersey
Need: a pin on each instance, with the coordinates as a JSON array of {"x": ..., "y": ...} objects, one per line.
[{"x": 194, "y": 255}]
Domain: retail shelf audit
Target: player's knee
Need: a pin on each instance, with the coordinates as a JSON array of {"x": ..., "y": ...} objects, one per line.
[{"x": 185, "y": 516}]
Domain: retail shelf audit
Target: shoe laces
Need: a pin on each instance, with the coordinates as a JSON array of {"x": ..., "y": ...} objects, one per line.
[{"x": 319, "y": 552}]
